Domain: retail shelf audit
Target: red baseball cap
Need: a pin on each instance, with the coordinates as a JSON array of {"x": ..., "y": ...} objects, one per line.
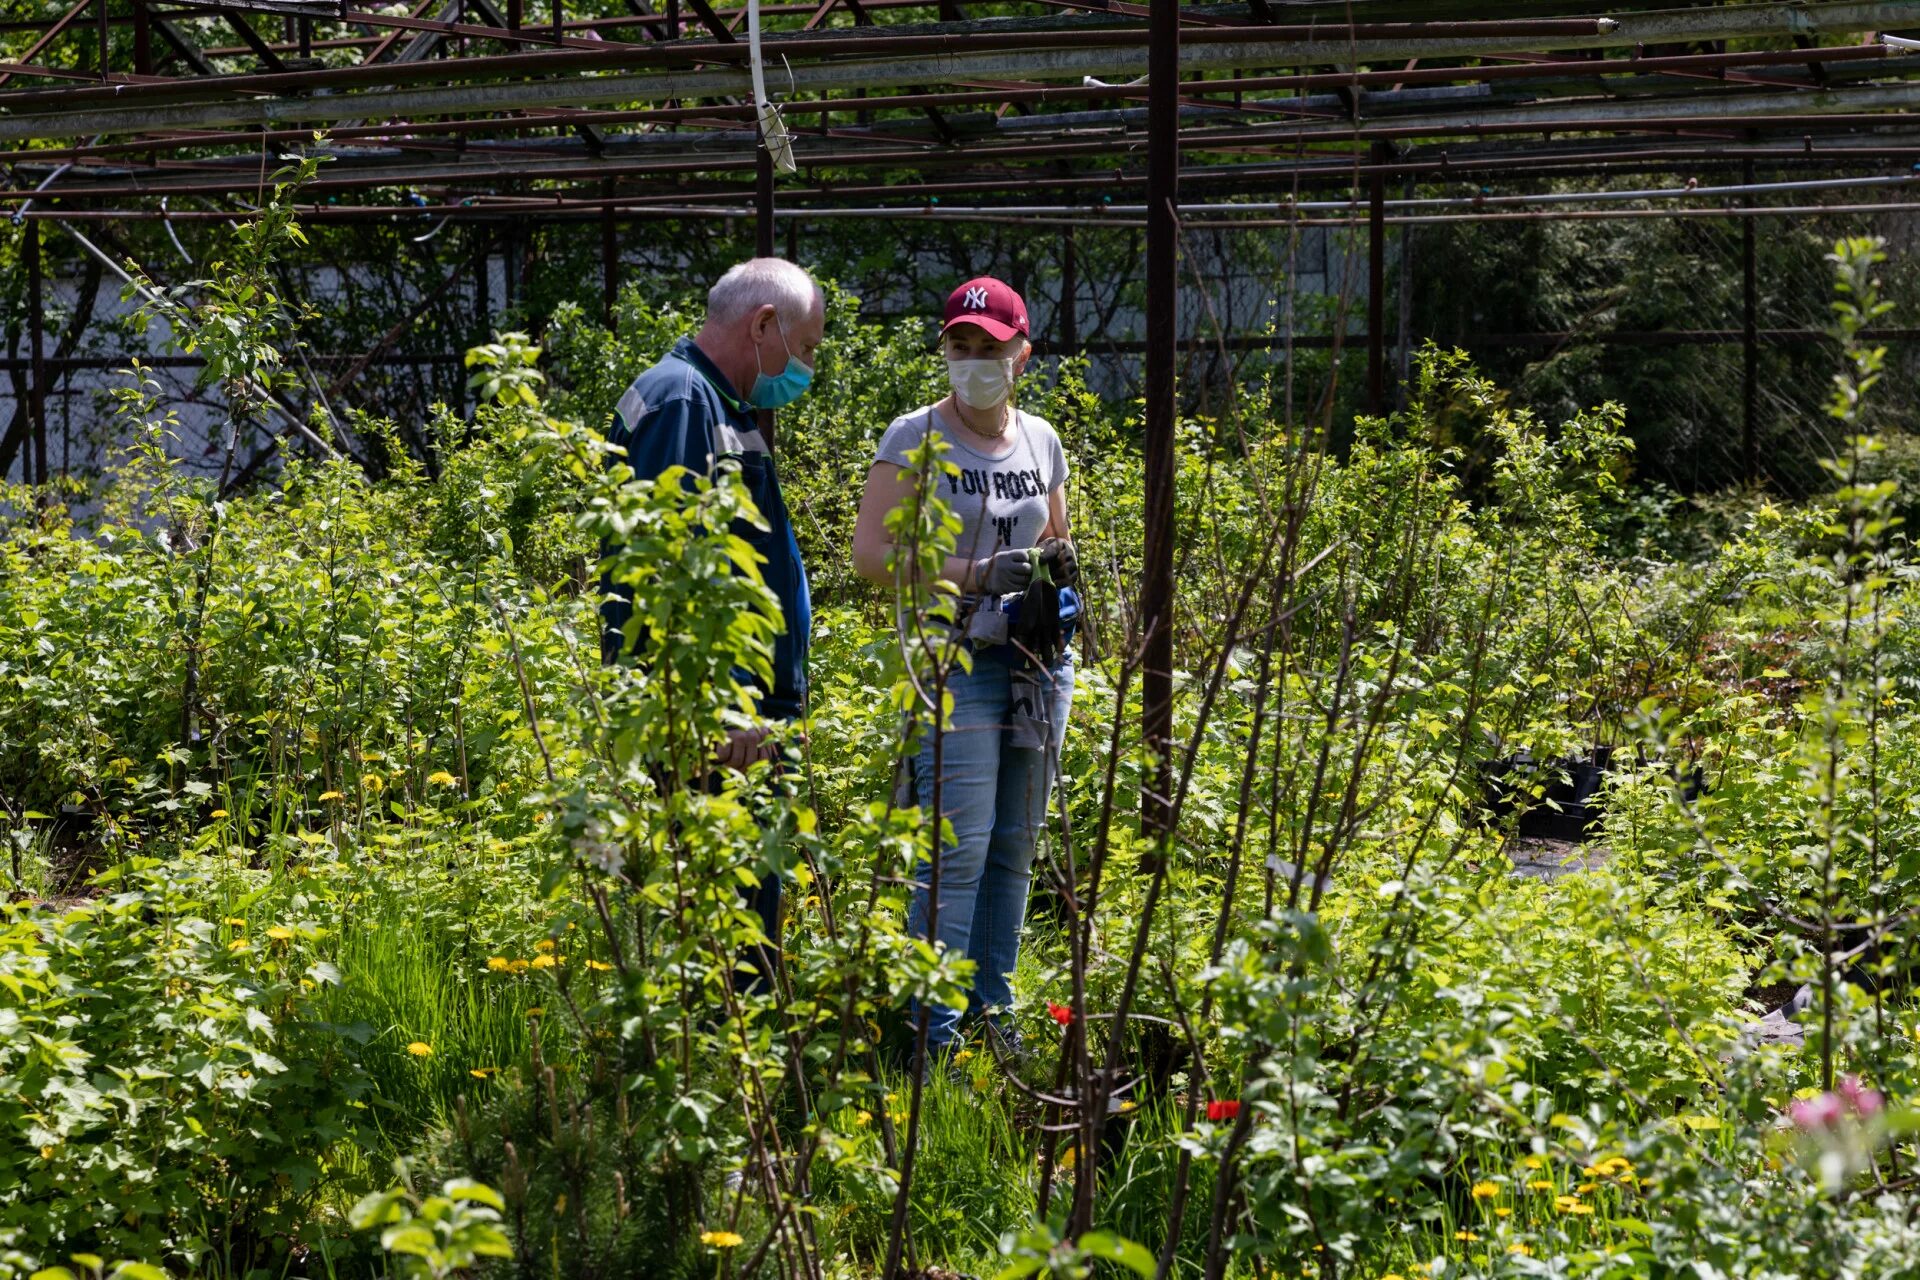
[{"x": 991, "y": 304}]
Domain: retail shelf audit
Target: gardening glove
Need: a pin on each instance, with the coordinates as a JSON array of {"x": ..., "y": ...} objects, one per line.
[
  {"x": 1065, "y": 561},
  {"x": 1037, "y": 627},
  {"x": 1002, "y": 572}
]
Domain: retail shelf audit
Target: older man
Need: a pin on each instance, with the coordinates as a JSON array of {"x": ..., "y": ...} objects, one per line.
[{"x": 765, "y": 320}]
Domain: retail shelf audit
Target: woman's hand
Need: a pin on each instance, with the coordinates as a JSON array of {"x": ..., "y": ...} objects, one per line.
[
  {"x": 1063, "y": 561},
  {"x": 1002, "y": 572}
]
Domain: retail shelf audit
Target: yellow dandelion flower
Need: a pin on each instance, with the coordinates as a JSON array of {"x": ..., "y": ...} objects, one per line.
[
  {"x": 330, "y": 795},
  {"x": 238, "y": 945},
  {"x": 279, "y": 933},
  {"x": 1520, "y": 1249},
  {"x": 1503, "y": 1212},
  {"x": 498, "y": 964},
  {"x": 535, "y": 1011},
  {"x": 373, "y": 782},
  {"x": 1581, "y": 1210},
  {"x": 442, "y": 779},
  {"x": 1465, "y": 1235},
  {"x": 721, "y": 1239},
  {"x": 1534, "y": 1162},
  {"x": 543, "y": 946},
  {"x": 1127, "y": 1104},
  {"x": 46, "y": 1153},
  {"x": 1583, "y": 1188},
  {"x": 1485, "y": 1190},
  {"x": 481, "y": 1073},
  {"x": 543, "y": 962},
  {"x": 220, "y": 813},
  {"x": 599, "y": 966},
  {"x": 420, "y": 1049},
  {"x": 1566, "y": 1204},
  {"x": 516, "y": 966},
  {"x": 237, "y": 922},
  {"x": 963, "y": 1057},
  {"x": 1540, "y": 1184},
  {"x": 863, "y": 1118}
]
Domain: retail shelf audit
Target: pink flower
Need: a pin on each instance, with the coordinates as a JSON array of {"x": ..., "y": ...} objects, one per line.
[
  {"x": 1862, "y": 1101},
  {"x": 1226, "y": 1109},
  {"x": 1823, "y": 1112},
  {"x": 1059, "y": 1013}
]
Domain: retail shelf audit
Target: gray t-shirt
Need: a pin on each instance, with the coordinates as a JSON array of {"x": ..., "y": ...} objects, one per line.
[{"x": 1001, "y": 501}]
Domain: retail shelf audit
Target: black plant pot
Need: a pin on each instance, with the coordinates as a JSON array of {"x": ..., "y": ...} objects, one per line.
[{"x": 1568, "y": 809}]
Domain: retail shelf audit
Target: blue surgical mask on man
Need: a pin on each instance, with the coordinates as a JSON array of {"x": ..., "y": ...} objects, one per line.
[{"x": 782, "y": 388}]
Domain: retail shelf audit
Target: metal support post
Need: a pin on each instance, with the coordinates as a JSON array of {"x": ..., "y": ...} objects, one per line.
[
  {"x": 1069, "y": 291},
  {"x": 34, "y": 459},
  {"x": 1750, "y": 337},
  {"x": 1377, "y": 281},
  {"x": 1156, "y": 592},
  {"x": 609, "y": 256},
  {"x": 142, "y": 39},
  {"x": 763, "y": 248}
]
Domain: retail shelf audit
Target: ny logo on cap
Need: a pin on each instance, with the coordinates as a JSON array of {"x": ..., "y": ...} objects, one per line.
[{"x": 976, "y": 298}]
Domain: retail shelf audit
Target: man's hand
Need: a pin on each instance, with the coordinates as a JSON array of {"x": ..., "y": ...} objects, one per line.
[{"x": 743, "y": 747}]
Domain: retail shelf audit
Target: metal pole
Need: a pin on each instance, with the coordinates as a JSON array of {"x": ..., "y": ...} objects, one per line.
[
  {"x": 1156, "y": 592},
  {"x": 763, "y": 248},
  {"x": 1377, "y": 282},
  {"x": 105, "y": 70},
  {"x": 609, "y": 257},
  {"x": 1069, "y": 288},
  {"x": 763, "y": 201},
  {"x": 1749, "y": 444},
  {"x": 34, "y": 461},
  {"x": 142, "y": 39}
]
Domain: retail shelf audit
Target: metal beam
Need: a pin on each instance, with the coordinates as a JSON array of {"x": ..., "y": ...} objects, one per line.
[{"x": 955, "y": 58}]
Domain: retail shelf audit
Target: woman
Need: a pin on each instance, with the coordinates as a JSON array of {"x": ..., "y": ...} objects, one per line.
[{"x": 1009, "y": 716}]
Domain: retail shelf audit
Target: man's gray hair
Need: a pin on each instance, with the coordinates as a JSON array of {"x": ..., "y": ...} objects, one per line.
[{"x": 758, "y": 282}]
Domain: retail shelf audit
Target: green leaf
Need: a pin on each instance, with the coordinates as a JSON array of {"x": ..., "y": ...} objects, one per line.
[
  {"x": 376, "y": 1208},
  {"x": 1112, "y": 1248},
  {"x": 138, "y": 1271},
  {"x": 468, "y": 1189},
  {"x": 408, "y": 1237}
]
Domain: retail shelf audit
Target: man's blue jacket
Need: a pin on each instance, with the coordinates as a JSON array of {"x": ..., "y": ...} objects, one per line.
[{"x": 684, "y": 412}]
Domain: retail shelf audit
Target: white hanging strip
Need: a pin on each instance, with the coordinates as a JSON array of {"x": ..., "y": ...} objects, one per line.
[{"x": 773, "y": 130}]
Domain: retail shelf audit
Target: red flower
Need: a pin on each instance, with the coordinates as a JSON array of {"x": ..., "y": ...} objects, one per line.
[
  {"x": 1059, "y": 1013},
  {"x": 1225, "y": 1110}
]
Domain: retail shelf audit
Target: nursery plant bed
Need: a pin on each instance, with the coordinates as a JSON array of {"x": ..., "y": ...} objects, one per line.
[{"x": 1546, "y": 859}]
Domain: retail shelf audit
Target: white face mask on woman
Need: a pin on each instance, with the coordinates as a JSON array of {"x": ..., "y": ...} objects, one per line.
[{"x": 981, "y": 384}]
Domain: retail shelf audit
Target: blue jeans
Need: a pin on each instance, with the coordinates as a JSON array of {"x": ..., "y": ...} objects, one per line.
[{"x": 994, "y": 794}]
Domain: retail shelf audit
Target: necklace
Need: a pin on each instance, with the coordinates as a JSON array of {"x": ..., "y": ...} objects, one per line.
[{"x": 1006, "y": 422}]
